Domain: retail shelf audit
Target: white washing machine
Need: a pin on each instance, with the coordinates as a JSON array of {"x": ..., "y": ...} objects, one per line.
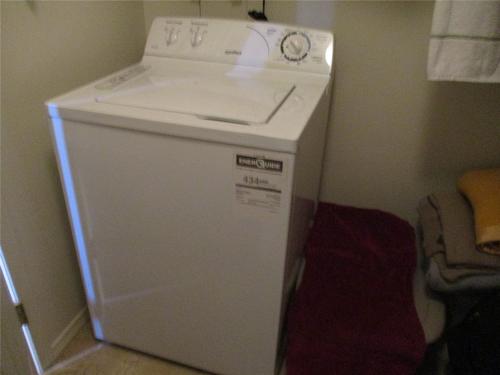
[{"x": 191, "y": 180}]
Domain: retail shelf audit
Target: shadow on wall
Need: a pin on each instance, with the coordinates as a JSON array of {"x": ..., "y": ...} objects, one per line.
[{"x": 462, "y": 131}]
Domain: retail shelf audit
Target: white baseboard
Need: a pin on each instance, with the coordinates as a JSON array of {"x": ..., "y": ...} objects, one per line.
[{"x": 68, "y": 333}]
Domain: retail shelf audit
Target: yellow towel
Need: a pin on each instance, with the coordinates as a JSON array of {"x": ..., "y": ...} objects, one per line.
[{"x": 482, "y": 189}]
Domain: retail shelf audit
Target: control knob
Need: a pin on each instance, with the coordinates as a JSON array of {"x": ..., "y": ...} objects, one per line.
[
  {"x": 295, "y": 46},
  {"x": 172, "y": 36},
  {"x": 196, "y": 36}
]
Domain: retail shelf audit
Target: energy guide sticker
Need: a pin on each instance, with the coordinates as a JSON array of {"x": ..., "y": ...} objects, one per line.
[{"x": 258, "y": 182}]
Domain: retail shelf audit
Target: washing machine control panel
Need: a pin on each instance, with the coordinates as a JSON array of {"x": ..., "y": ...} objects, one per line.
[{"x": 258, "y": 44}]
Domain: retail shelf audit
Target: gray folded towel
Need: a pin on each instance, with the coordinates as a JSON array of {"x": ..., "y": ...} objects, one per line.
[
  {"x": 451, "y": 274},
  {"x": 448, "y": 227},
  {"x": 438, "y": 283}
]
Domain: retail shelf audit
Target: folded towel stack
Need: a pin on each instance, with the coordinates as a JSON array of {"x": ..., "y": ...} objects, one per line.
[{"x": 461, "y": 234}]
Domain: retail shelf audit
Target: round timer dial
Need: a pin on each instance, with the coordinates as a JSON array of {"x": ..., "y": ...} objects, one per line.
[{"x": 295, "y": 46}]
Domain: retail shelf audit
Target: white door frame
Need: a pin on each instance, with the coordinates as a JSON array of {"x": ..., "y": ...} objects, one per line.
[{"x": 35, "y": 363}]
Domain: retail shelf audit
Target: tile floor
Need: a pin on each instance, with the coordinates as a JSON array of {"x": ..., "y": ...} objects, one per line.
[{"x": 87, "y": 356}]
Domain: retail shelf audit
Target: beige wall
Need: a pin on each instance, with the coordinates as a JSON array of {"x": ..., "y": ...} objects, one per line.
[{"x": 48, "y": 48}]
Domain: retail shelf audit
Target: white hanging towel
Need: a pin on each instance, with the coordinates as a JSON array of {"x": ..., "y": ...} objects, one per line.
[{"x": 465, "y": 41}]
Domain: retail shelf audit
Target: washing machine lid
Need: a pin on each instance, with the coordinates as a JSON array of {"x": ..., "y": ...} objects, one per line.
[{"x": 230, "y": 99}]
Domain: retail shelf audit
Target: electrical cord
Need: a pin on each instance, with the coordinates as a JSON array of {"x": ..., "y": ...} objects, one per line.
[{"x": 259, "y": 16}]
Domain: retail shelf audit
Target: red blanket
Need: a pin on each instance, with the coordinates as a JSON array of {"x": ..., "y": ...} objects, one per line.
[{"x": 354, "y": 311}]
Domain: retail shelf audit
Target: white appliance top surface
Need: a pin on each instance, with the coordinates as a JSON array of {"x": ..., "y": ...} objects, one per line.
[
  {"x": 230, "y": 99},
  {"x": 185, "y": 90}
]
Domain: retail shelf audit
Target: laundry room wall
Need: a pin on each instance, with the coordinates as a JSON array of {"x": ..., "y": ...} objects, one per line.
[
  {"x": 393, "y": 136},
  {"x": 48, "y": 48}
]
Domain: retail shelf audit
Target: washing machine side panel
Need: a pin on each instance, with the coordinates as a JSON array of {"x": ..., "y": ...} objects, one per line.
[
  {"x": 307, "y": 178},
  {"x": 308, "y": 168},
  {"x": 186, "y": 244}
]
